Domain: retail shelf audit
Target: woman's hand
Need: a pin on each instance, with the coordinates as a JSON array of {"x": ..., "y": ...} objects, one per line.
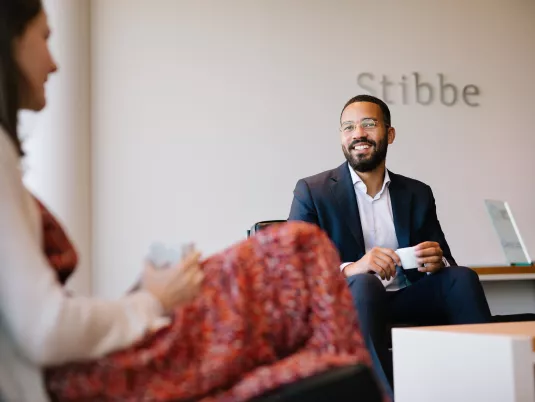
[{"x": 175, "y": 285}]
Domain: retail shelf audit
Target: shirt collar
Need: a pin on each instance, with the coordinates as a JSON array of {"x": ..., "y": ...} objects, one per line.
[{"x": 358, "y": 183}]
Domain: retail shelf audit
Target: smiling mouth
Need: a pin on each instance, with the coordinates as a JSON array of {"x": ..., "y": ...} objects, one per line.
[{"x": 362, "y": 147}]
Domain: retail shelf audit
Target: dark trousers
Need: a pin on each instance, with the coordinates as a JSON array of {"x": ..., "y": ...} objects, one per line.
[{"x": 453, "y": 295}]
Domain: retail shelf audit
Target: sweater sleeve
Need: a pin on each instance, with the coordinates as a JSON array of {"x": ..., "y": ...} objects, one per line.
[{"x": 48, "y": 327}]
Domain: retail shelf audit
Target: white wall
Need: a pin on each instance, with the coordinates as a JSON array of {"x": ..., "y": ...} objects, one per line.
[
  {"x": 206, "y": 113},
  {"x": 58, "y": 139}
]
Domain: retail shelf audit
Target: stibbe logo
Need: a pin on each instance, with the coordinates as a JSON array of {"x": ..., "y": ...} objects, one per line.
[{"x": 413, "y": 88}]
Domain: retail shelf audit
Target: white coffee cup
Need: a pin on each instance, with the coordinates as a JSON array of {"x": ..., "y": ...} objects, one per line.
[
  {"x": 408, "y": 257},
  {"x": 162, "y": 256}
]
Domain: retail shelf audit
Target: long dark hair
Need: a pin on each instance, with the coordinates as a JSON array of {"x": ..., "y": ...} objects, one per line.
[{"x": 14, "y": 17}]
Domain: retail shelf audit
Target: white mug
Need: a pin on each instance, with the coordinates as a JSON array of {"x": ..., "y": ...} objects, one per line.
[{"x": 408, "y": 257}]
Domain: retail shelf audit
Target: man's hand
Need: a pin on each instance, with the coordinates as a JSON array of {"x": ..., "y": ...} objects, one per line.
[
  {"x": 378, "y": 260},
  {"x": 429, "y": 256}
]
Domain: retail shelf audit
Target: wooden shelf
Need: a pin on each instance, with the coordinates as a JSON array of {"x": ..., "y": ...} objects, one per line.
[{"x": 505, "y": 270}]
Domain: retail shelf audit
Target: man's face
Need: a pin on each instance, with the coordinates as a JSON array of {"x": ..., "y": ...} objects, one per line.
[{"x": 364, "y": 136}]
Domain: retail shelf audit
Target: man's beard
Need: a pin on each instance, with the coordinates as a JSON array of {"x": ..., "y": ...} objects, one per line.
[{"x": 362, "y": 163}]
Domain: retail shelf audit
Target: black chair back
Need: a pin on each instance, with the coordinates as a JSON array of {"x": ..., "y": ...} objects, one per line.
[{"x": 258, "y": 226}]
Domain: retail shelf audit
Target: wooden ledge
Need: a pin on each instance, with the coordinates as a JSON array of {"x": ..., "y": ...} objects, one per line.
[{"x": 504, "y": 270}]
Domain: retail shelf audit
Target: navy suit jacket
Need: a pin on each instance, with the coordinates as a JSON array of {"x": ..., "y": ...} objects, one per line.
[{"x": 328, "y": 200}]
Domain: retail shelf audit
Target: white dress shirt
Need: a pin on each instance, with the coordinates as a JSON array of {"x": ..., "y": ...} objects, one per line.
[
  {"x": 39, "y": 324},
  {"x": 377, "y": 221}
]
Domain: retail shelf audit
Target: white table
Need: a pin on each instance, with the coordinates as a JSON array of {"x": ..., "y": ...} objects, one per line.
[{"x": 472, "y": 363}]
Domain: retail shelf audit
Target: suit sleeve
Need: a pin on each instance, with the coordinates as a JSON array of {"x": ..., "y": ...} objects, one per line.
[
  {"x": 303, "y": 208},
  {"x": 435, "y": 232}
]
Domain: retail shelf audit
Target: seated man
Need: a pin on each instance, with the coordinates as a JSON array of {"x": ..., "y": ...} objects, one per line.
[{"x": 368, "y": 212}]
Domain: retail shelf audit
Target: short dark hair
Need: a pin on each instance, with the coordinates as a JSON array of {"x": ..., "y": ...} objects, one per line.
[
  {"x": 371, "y": 99},
  {"x": 14, "y": 18}
]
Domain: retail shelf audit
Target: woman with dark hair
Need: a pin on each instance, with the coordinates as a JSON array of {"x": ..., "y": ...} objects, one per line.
[{"x": 265, "y": 312}]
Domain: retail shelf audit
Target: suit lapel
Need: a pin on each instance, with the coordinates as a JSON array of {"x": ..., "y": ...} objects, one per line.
[
  {"x": 401, "y": 200},
  {"x": 344, "y": 194}
]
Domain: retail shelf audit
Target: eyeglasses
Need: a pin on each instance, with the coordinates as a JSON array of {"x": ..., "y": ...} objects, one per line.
[{"x": 367, "y": 124}]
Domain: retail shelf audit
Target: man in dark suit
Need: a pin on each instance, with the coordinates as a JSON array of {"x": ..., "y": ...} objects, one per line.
[{"x": 369, "y": 213}]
